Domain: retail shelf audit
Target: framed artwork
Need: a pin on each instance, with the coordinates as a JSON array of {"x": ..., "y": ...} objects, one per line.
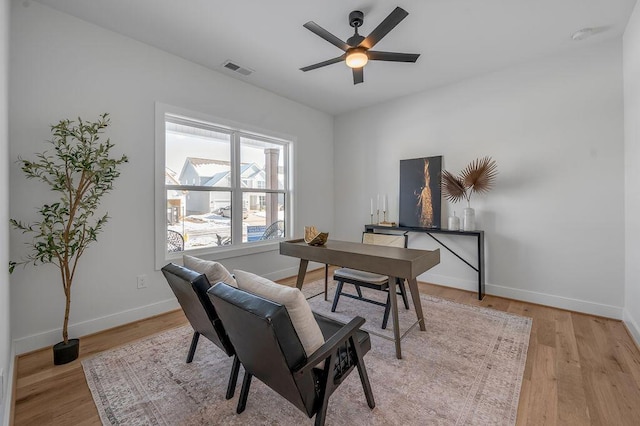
[{"x": 420, "y": 192}]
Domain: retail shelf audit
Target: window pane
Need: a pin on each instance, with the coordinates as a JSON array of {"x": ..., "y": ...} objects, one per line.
[
  {"x": 263, "y": 164},
  {"x": 193, "y": 222},
  {"x": 197, "y": 156},
  {"x": 260, "y": 222}
]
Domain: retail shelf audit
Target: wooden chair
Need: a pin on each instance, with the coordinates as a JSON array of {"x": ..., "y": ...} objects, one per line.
[
  {"x": 268, "y": 347},
  {"x": 370, "y": 280},
  {"x": 190, "y": 288}
]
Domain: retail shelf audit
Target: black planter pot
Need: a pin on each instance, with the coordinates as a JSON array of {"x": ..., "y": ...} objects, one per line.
[{"x": 64, "y": 353}]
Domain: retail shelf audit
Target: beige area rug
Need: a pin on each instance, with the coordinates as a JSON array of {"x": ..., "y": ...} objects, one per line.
[{"x": 466, "y": 369}]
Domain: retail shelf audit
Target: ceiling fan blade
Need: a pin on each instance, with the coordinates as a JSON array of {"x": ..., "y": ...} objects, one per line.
[
  {"x": 318, "y": 30},
  {"x": 385, "y": 26},
  {"x": 392, "y": 56},
  {"x": 324, "y": 63},
  {"x": 358, "y": 75}
]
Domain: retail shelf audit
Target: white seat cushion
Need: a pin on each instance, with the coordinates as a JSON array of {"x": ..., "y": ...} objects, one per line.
[
  {"x": 354, "y": 274},
  {"x": 214, "y": 271},
  {"x": 299, "y": 310}
]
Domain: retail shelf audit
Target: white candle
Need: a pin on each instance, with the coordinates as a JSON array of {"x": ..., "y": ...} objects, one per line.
[
  {"x": 372, "y": 206},
  {"x": 384, "y": 203},
  {"x": 378, "y": 203}
]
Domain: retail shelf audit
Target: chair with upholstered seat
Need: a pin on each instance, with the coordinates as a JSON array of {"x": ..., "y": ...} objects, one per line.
[
  {"x": 190, "y": 288},
  {"x": 371, "y": 280},
  {"x": 270, "y": 349}
]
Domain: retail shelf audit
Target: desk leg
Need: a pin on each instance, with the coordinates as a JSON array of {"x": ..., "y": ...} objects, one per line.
[
  {"x": 393, "y": 299},
  {"x": 480, "y": 266},
  {"x": 326, "y": 280},
  {"x": 302, "y": 270},
  {"x": 417, "y": 303}
]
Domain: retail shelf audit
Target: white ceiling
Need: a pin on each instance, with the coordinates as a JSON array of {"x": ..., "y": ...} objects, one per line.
[{"x": 456, "y": 39}]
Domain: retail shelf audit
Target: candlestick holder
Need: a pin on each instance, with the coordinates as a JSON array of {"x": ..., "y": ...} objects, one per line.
[
  {"x": 377, "y": 216},
  {"x": 384, "y": 216},
  {"x": 371, "y": 219}
]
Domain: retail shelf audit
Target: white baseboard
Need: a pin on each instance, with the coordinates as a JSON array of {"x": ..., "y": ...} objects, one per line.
[
  {"x": 576, "y": 305},
  {"x": 8, "y": 392},
  {"x": 291, "y": 272},
  {"x": 447, "y": 281},
  {"x": 51, "y": 337},
  {"x": 561, "y": 302},
  {"x": 552, "y": 300},
  {"x": 632, "y": 326}
]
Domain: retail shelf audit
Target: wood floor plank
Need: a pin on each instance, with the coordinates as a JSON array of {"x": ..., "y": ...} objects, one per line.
[
  {"x": 524, "y": 403},
  {"x": 572, "y": 401},
  {"x": 580, "y": 369},
  {"x": 544, "y": 392},
  {"x": 625, "y": 349}
]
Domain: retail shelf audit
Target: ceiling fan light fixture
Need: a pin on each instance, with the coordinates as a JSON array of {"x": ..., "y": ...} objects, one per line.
[{"x": 357, "y": 57}]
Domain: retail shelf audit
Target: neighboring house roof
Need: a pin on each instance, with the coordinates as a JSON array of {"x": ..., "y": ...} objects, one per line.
[
  {"x": 205, "y": 167},
  {"x": 170, "y": 177},
  {"x": 216, "y": 178},
  {"x": 212, "y": 172}
]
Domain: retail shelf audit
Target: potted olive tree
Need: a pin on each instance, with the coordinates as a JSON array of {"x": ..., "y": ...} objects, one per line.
[{"x": 80, "y": 171}]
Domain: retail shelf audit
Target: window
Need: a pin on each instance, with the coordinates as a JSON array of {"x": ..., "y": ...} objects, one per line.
[{"x": 223, "y": 188}]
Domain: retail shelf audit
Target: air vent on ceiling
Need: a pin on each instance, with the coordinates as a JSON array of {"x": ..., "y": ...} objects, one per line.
[{"x": 237, "y": 68}]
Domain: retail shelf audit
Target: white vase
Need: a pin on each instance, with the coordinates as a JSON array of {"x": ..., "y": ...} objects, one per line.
[
  {"x": 469, "y": 219},
  {"x": 454, "y": 222}
]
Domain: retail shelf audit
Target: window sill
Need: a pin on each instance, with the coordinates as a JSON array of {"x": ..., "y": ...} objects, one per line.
[{"x": 225, "y": 252}]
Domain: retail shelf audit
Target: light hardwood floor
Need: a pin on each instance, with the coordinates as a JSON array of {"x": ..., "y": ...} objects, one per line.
[{"x": 581, "y": 369}]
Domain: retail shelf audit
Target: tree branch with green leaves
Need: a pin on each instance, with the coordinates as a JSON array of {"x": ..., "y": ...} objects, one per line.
[{"x": 81, "y": 170}]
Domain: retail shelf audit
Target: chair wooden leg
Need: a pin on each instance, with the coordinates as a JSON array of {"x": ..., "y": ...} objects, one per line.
[
  {"x": 325, "y": 391},
  {"x": 362, "y": 371},
  {"x": 387, "y": 308},
  {"x": 244, "y": 392},
  {"x": 358, "y": 290},
  {"x": 192, "y": 348},
  {"x": 403, "y": 293},
  {"x": 321, "y": 415},
  {"x": 235, "y": 368},
  {"x": 337, "y": 296}
]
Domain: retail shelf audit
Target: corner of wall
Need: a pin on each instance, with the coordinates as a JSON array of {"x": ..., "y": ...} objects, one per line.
[
  {"x": 632, "y": 326},
  {"x": 6, "y": 411}
]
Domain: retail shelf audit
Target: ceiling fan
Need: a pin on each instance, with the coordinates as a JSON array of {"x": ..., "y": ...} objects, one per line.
[{"x": 357, "y": 48}]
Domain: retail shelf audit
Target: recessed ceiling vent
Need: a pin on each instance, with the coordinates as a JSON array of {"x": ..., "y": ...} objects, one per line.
[{"x": 237, "y": 68}]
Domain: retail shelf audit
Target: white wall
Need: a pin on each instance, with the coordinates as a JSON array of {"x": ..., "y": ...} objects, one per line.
[
  {"x": 631, "y": 61},
  {"x": 5, "y": 331},
  {"x": 554, "y": 221},
  {"x": 62, "y": 67}
]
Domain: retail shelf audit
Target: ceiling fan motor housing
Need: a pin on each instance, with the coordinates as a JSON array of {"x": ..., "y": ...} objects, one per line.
[{"x": 356, "y": 18}]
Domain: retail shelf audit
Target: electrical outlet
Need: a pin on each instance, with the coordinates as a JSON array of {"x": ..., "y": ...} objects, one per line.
[{"x": 142, "y": 281}]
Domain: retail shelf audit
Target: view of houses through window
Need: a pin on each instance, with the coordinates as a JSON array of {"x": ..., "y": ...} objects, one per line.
[{"x": 224, "y": 187}]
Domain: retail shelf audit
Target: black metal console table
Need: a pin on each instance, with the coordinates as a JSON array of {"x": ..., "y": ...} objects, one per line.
[{"x": 430, "y": 231}]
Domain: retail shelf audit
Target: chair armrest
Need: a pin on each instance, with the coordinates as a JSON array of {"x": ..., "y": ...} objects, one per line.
[{"x": 330, "y": 346}]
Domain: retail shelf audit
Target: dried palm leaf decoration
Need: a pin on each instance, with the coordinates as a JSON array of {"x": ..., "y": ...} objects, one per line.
[{"x": 478, "y": 176}]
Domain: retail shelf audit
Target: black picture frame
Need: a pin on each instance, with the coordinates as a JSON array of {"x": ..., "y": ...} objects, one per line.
[{"x": 421, "y": 192}]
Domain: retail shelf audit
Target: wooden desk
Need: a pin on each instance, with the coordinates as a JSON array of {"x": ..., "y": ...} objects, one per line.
[{"x": 394, "y": 262}]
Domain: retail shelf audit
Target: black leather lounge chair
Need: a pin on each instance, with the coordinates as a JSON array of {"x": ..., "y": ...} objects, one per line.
[
  {"x": 269, "y": 349},
  {"x": 190, "y": 289}
]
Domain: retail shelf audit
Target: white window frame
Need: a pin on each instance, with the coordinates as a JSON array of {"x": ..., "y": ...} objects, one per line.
[{"x": 162, "y": 257}]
